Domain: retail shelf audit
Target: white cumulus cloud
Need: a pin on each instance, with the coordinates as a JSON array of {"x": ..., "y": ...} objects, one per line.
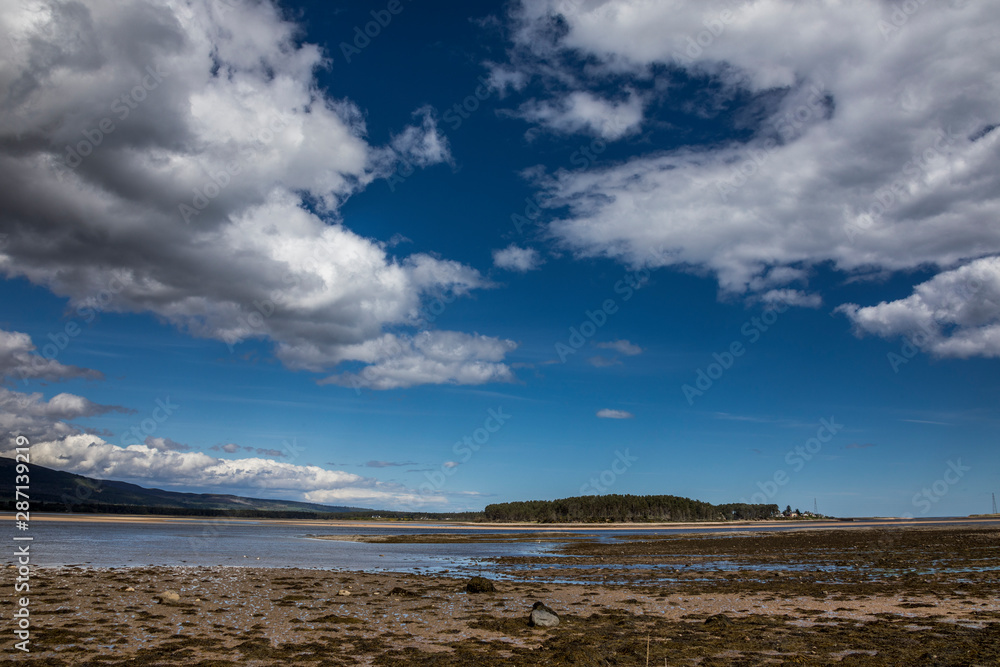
[
  {"x": 583, "y": 112},
  {"x": 871, "y": 142},
  {"x": 430, "y": 357},
  {"x": 92, "y": 456},
  {"x": 180, "y": 159},
  {"x": 516, "y": 258},
  {"x": 954, "y": 314}
]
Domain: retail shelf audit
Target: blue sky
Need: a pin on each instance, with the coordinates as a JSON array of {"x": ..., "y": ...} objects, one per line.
[{"x": 507, "y": 251}]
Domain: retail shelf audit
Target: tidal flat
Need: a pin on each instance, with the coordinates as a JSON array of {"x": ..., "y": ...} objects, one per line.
[{"x": 852, "y": 596}]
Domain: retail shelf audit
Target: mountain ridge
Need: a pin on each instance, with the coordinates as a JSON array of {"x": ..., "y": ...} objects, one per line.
[{"x": 75, "y": 492}]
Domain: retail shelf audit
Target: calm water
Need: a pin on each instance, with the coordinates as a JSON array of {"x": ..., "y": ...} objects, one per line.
[{"x": 257, "y": 544}]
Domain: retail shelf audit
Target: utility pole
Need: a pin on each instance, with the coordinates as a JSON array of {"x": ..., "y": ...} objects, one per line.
[
  {"x": 816, "y": 507},
  {"x": 994, "y": 503}
]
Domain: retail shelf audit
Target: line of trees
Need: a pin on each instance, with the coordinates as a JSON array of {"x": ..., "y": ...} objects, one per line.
[
  {"x": 626, "y": 508},
  {"x": 582, "y": 509}
]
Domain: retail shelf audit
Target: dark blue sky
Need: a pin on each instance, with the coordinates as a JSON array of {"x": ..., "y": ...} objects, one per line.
[{"x": 747, "y": 265}]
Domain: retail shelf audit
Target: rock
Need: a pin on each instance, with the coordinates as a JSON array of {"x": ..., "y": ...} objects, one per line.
[
  {"x": 169, "y": 596},
  {"x": 344, "y": 592},
  {"x": 543, "y": 617},
  {"x": 719, "y": 621},
  {"x": 480, "y": 585},
  {"x": 130, "y": 590},
  {"x": 402, "y": 593}
]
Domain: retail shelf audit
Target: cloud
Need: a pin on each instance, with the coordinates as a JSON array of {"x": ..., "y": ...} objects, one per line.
[
  {"x": 422, "y": 145},
  {"x": 165, "y": 445},
  {"x": 397, "y": 239},
  {"x": 867, "y": 147},
  {"x": 503, "y": 78},
  {"x": 94, "y": 457},
  {"x": 388, "y": 464},
  {"x": 925, "y": 421},
  {"x": 228, "y": 448},
  {"x": 430, "y": 357},
  {"x": 791, "y": 297},
  {"x": 614, "y": 414},
  {"x": 954, "y": 314},
  {"x": 602, "y": 362},
  {"x": 583, "y": 112},
  {"x": 514, "y": 258},
  {"x": 30, "y": 414},
  {"x": 620, "y": 346},
  {"x": 855, "y": 445},
  {"x": 19, "y": 360},
  {"x": 269, "y": 452},
  {"x": 181, "y": 160}
]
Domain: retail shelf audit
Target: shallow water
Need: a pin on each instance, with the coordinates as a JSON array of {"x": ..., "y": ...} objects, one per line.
[{"x": 206, "y": 542}]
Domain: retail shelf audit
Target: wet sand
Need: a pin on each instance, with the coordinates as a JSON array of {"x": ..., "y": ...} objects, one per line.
[{"x": 885, "y": 596}]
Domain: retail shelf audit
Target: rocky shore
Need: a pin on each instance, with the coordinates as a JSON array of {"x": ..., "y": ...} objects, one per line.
[{"x": 852, "y": 597}]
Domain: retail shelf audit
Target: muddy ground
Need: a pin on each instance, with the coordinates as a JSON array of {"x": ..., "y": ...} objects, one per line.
[{"x": 901, "y": 596}]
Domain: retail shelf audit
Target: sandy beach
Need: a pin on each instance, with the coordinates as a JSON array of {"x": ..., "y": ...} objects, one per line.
[{"x": 885, "y": 596}]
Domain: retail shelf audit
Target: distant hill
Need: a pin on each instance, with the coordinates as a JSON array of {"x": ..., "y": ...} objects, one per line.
[{"x": 56, "y": 491}]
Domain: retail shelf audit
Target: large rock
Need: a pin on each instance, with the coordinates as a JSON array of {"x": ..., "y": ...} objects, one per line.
[
  {"x": 719, "y": 621},
  {"x": 543, "y": 617},
  {"x": 480, "y": 585},
  {"x": 398, "y": 592},
  {"x": 169, "y": 597}
]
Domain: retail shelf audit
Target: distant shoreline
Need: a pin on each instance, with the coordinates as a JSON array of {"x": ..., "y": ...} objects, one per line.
[{"x": 540, "y": 527}]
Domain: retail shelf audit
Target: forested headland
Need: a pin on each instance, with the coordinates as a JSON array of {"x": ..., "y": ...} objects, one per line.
[{"x": 626, "y": 508}]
